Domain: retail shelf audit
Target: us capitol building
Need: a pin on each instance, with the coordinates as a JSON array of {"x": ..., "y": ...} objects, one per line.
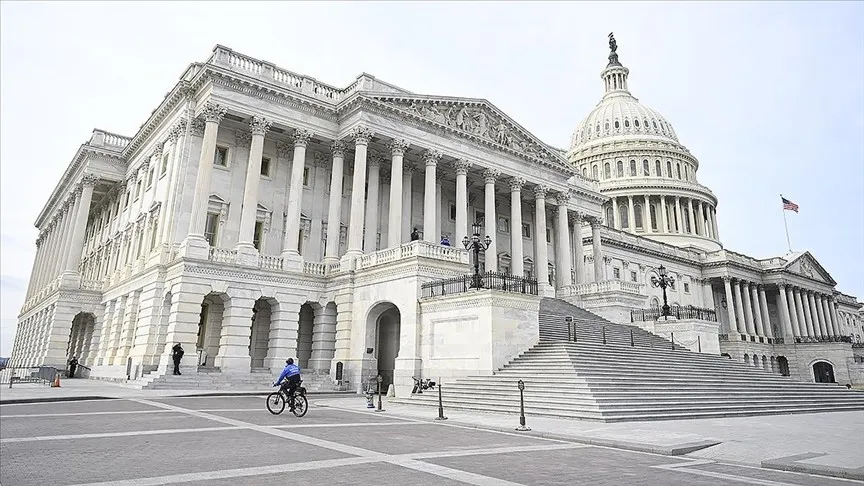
[{"x": 259, "y": 214}]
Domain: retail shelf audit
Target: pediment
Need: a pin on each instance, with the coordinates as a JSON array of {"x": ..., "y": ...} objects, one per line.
[
  {"x": 806, "y": 265},
  {"x": 478, "y": 120}
]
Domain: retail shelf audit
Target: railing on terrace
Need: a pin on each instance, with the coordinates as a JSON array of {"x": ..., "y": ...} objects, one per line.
[
  {"x": 604, "y": 286},
  {"x": 822, "y": 339},
  {"x": 223, "y": 255},
  {"x": 413, "y": 249},
  {"x": 489, "y": 280},
  {"x": 857, "y": 345},
  {"x": 270, "y": 262},
  {"x": 678, "y": 312}
]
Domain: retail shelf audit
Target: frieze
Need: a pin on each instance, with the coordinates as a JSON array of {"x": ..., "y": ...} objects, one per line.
[
  {"x": 266, "y": 93},
  {"x": 229, "y": 274}
]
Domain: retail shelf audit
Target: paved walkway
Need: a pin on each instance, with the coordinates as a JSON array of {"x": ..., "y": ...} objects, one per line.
[
  {"x": 235, "y": 441},
  {"x": 824, "y": 443}
]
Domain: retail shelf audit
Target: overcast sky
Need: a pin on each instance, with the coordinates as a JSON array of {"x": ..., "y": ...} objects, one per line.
[{"x": 768, "y": 96}]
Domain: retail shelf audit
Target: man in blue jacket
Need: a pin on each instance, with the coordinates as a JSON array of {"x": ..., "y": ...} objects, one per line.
[{"x": 291, "y": 376}]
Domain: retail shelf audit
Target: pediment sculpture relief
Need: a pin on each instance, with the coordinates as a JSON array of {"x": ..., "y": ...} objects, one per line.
[
  {"x": 806, "y": 268},
  {"x": 479, "y": 121}
]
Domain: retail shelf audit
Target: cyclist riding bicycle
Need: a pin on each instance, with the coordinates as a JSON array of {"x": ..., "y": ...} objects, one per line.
[{"x": 291, "y": 376}]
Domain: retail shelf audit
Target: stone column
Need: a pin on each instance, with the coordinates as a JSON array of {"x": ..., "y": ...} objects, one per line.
[
  {"x": 665, "y": 214},
  {"x": 407, "y": 204},
  {"x": 166, "y": 211},
  {"x": 713, "y": 214},
  {"x": 361, "y": 136},
  {"x": 334, "y": 220},
  {"x": 739, "y": 307},
  {"x": 324, "y": 335},
  {"x": 730, "y": 307},
  {"x": 597, "y": 249},
  {"x": 71, "y": 220},
  {"x": 431, "y": 158},
  {"x": 803, "y": 321},
  {"x": 826, "y": 315},
  {"x": 282, "y": 342},
  {"x": 578, "y": 250},
  {"x": 690, "y": 218},
  {"x": 678, "y": 219},
  {"x": 757, "y": 310},
  {"x": 397, "y": 195},
  {"x": 631, "y": 216},
  {"x": 763, "y": 308},
  {"x": 290, "y": 254},
  {"x": 809, "y": 316},
  {"x": 793, "y": 312},
  {"x": 814, "y": 313},
  {"x": 835, "y": 321},
  {"x": 462, "y": 226},
  {"x": 785, "y": 318},
  {"x": 439, "y": 177},
  {"x": 195, "y": 244},
  {"x": 616, "y": 218},
  {"x": 748, "y": 308},
  {"x": 541, "y": 249},
  {"x": 31, "y": 284},
  {"x": 246, "y": 246},
  {"x": 370, "y": 237},
  {"x": 236, "y": 332},
  {"x": 489, "y": 177},
  {"x": 517, "y": 264},
  {"x": 562, "y": 250}
]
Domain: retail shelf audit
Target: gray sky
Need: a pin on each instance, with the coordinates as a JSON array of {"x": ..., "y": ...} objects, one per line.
[{"x": 768, "y": 96}]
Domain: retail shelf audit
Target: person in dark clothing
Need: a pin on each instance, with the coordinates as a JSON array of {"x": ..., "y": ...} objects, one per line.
[
  {"x": 415, "y": 235},
  {"x": 73, "y": 364},
  {"x": 289, "y": 380},
  {"x": 445, "y": 241},
  {"x": 177, "y": 354}
]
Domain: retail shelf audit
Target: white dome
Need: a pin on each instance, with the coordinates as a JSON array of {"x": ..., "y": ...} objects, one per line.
[{"x": 621, "y": 115}]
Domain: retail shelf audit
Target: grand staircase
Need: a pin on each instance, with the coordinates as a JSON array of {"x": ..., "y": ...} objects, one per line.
[
  {"x": 617, "y": 381},
  {"x": 213, "y": 379}
]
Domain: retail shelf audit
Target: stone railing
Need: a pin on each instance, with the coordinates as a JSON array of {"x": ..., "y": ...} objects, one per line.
[
  {"x": 268, "y": 72},
  {"x": 270, "y": 262},
  {"x": 678, "y": 312},
  {"x": 222, "y": 255},
  {"x": 315, "y": 268},
  {"x": 90, "y": 285},
  {"x": 605, "y": 286},
  {"x": 413, "y": 249}
]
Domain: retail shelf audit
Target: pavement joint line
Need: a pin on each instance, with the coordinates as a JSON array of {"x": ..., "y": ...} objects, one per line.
[
  {"x": 80, "y": 414},
  {"x": 450, "y": 473},
  {"x": 728, "y": 477},
  {"x": 323, "y": 426},
  {"x": 104, "y": 435},
  {"x": 486, "y": 452}
]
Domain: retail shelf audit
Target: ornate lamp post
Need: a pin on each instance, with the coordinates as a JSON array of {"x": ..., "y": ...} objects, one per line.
[
  {"x": 664, "y": 281},
  {"x": 475, "y": 244}
]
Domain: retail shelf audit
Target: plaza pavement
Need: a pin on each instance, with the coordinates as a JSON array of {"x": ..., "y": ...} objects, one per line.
[
  {"x": 828, "y": 444},
  {"x": 235, "y": 441}
]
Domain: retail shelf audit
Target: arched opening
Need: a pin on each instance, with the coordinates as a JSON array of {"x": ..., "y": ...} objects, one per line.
[
  {"x": 385, "y": 320},
  {"x": 80, "y": 338},
  {"x": 823, "y": 372},
  {"x": 259, "y": 340},
  {"x": 764, "y": 362},
  {"x": 637, "y": 216},
  {"x": 209, "y": 329},
  {"x": 783, "y": 365},
  {"x": 304, "y": 335},
  {"x": 746, "y": 358},
  {"x": 610, "y": 217},
  {"x": 624, "y": 217}
]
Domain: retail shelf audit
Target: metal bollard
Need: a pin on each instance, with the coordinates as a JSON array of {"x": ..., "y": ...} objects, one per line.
[
  {"x": 672, "y": 338},
  {"x": 631, "y": 339},
  {"x": 699, "y": 343},
  {"x": 604, "y": 334},
  {"x": 522, "y": 426},
  {"x": 570, "y": 330},
  {"x": 440, "y": 403},
  {"x": 379, "y": 409}
]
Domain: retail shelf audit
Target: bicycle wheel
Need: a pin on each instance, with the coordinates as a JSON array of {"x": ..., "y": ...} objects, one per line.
[
  {"x": 275, "y": 403},
  {"x": 300, "y": 405}
]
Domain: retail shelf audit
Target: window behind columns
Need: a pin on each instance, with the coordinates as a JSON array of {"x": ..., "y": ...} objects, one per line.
[
  {"x": 625, "y": 218},
  {"x": 658, "y": 169},
  {"x": 607, "y": 171},
  {"x": 610, "y": 217},
  {"x": 256, "y": 238},
  {"x": 210, "y": 228},
  {"x": 620, "y": 168},
  {"x": 669, "y": 169},
  {"x": 646, "y": 168},
  {"x": 637, "y": 215},
  {"x": 633, "y": 168},
  {"x": 653, "y": 210}
]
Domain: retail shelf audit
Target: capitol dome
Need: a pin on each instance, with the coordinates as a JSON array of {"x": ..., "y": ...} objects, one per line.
[{"x": 619, "y": 115}]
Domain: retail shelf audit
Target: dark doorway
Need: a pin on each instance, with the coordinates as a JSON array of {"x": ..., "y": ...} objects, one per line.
[
  {"x": 783, "y": 365},
  {"x": 823, "y": 372}
]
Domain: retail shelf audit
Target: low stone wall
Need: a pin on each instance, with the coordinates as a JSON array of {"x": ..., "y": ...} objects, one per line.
[{"x": 695, "y": 334}]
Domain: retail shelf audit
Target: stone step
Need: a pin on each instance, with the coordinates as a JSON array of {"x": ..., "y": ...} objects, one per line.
[{"x": 601, "y": 395}]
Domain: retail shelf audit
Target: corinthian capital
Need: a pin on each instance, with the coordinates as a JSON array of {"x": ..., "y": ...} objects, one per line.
[
  {"x": 540, "y": 191},
  {"x": 301, "y": 137},
  {"x": 214, "y": 112},
  {"x": 594, "y": 221},
  {"x": 563, "y": 198},
  {"x": 398, "y": 146},
  {"x": 409, "y": 168},
  {"x": 375, "y": 159},
  {"x": 177, "y": 130},
  {"x": 462, "y": 166},
  {"x": 337, "y": 148},
  {"x": 516, "y": 184},
  {"x": 260, "y": 125},
  {"x": 431, "y": 157},
  {"x": 283, "y": 150},
  {"x": 89, "y": 180},
  {"x": 490, "y": 176},
  {"x": 361, "y": 135}
]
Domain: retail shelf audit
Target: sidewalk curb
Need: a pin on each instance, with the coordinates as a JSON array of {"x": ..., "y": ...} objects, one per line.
[
  {"x": 21, "y": 401},
  {"x": 791, "y": 464}
]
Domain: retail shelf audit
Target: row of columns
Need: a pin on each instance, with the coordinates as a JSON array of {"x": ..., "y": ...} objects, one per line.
[
  {"x": 61, "y": 243},
  {"x": 31, "y": 338},
  {"x": 807, "y": 313},
  {"x": 747, "y": 307},
  {"x": 673, "y": 217}
]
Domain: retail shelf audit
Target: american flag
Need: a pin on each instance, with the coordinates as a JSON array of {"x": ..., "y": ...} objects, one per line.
[{"x": 789, "y": 205}]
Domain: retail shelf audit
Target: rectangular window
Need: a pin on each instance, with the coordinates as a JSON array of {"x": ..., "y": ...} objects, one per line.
[
  {"x": 154, "y": 234},
  {"x": 503, "y": 224},
  {"x": 128, "y": 197},
  {"x": 265, "y": 166},
  {"x": 139, "y": 189},
  {"x": 221, "y": 157},
  {"x": 164, "y": 168},
  {"x": 632, "y": 276},
  {"x": 686, "y": 288},
  {"x": 452, "y": 212},
  {"x": 150, "y": 177},
  {"x": 256, "y": 238},
  {"x": 548, "y": 235},
  {"x": 617, "y": 273},
  {"x": 211, "y": 227},
  {"x": 526, "y": 230},
  {"x": 305, "y": 176},
  {"x": 480, "y": 218}
]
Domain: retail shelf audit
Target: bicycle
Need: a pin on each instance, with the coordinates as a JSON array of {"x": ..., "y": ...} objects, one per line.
[{"x": 276, "y": 401}]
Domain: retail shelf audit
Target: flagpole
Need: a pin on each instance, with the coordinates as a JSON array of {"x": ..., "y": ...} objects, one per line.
[{"x": 786, "y": 225}]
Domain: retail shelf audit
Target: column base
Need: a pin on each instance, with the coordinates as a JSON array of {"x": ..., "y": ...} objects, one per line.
[
  {"x": 70, "y": 280},
  {"x": 195, "y": 247},
  {"x": 291, "y": 261},
  {"x": 349, "y": 259},
  {"x": 545, "y": 290},
  {"x": 247, "y": 254},
  {"x": 234, "y": 363}
]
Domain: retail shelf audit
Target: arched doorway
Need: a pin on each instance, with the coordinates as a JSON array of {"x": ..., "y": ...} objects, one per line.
[
  {"x": 209, "y": 329},
  {"x": 823, "y": 372},
  {"x": 80, "y": 337},
  {"x": 783, "y": 365},
  {"x": 385, "y": 321},
  {"x": 259, "y": 340},
  {"x": 304, "y": 335}
]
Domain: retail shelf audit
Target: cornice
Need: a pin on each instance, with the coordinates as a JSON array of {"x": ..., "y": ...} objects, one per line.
[{"x": 269, "y": 92}]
